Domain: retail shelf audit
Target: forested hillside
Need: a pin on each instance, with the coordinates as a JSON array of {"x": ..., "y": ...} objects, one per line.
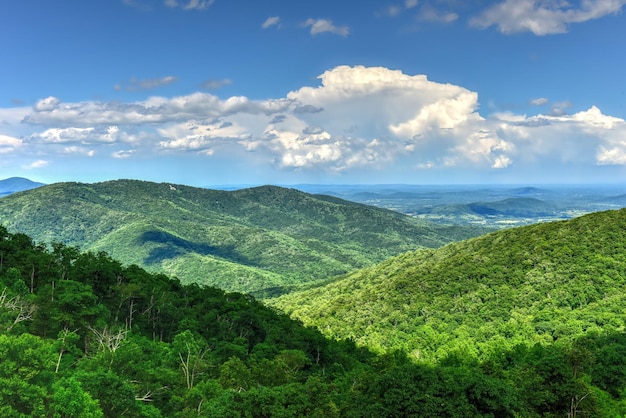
[
  {"x": 546, "y": 283},
  {"x": 261, "y": 240},
  {"x": 81, "y": 335}
]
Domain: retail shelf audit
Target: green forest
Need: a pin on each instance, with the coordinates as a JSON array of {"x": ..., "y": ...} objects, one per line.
[
  {"x": 544, "y": 283},
  {"x": 264, "y": 240},
  {"x": 82, "y": 335}
]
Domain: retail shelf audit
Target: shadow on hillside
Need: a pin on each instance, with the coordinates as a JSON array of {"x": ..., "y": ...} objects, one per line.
[{"x": 173, "y": 246}]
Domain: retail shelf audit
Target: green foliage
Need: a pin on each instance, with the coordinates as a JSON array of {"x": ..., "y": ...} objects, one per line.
[
  {"x": 265, "y": 240},
  {"x": 70, "y": 400},
  {"x": 116, "y": 341},
  {"x": 535, "y": 284}
]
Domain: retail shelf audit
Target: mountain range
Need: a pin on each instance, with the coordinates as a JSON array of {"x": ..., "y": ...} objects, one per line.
[
  {"x": 526, "y": 321},
  {"x": 262, "y": 240}
]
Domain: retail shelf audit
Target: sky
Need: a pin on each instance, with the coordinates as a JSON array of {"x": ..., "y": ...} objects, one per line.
[{"x": 227, "y": 92}]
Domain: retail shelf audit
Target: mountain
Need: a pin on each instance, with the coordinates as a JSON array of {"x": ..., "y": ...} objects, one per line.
[
  {"x": 523, "y": 207},
  {"x": 530, "y": 191},
  {"x": 81, "y": 335},
  {"x": 516, "y": 206},
  {"x": 539, "y": 284},
  {"x": 619, "y": 200},
  {"x": 17, "y": 184},
  {"x": 262, "y": 240}
]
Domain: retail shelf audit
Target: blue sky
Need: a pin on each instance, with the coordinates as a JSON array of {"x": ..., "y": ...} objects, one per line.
[{"x": 214, "y": 92}]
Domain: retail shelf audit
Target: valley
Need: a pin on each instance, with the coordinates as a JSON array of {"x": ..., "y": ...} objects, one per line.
[
  {"x": 264, "y": 240},
  {"x": 498, "y": 206},
  {"x": 159, "y": 299}
]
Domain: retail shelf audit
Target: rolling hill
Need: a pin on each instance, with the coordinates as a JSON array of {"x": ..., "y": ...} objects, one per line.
[
  {"x": 540, "y": 284},
  {"x": 17, "y": 184},
  {"x": 261, "y": 240},
  {"x": 522, "y": 207}
]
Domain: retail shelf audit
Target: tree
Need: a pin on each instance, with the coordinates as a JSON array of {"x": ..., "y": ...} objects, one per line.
[
  {"x": 70, "y": 400},
  {"x": 192, "y": 351},
  {"x": 25, "y": 375}
]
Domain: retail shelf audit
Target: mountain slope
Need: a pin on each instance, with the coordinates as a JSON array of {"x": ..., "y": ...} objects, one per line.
[
  {"x": 540, "y": 284},
  {"x": 254, "y": 240},
  {"x": 82, "y": 335},
  {"x": 17, "y": 184}
]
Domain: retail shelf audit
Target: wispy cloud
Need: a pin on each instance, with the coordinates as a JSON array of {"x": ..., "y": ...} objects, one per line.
[
  {"x": 9, "y": 144},
  {"x": 428, "y": 13},
  {"x": 540, "y": 101},
  {"x": 76, "y": 150},
  {"x": 543, "y": 17},
  {"x": 319, "y": 26},
  {"x": 35, "y": 164},
  {"x": 560, "y": 108},
  {"x": 137, "y": 4},
  {"x": 121, "y": 154},
  {"x": 216, "y": 84},
  {"x": 135, "y": 84},
  {"x": 190, "y": 4},
  {"x": 394, "y": 10},
  {"x": 271, "y": 21}
]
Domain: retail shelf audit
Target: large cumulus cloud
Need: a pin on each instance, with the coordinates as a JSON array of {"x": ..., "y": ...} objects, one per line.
[{"x": 356, "y": 117}]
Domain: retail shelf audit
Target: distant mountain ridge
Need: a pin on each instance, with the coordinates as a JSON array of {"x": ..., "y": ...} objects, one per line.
[
  {"x": 262, "y": 240},
  {"x": 17, "y": 184}
]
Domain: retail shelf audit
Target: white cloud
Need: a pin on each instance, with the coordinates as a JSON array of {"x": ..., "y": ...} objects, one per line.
[
  {"x": 47, "y": 104},
  {"x": 356, "y": 117},
  {"x": 271, "y": 21},
  {"x": 200, "y": 136},
  {"x": 501, "y": 162},
  {"x": 35, "y": 164},
  {"x": 75, "y": 150},
  {"x": 323, "y": 25},
  {"x": 9, "y": 144},
  {"x": 88, "y": 135},
  {"x": 586, "y": 137},
  {"x": 540, "y": 101},
  {"x": 560, "y": 108},
  {"x": 216, "y": 84},
  {"x": 543, "y": 17},
  {"x": 121, "y": 154},
  {"x": 392, "y": 11},
  {"x": 445, "y": 113},
  {"x": 146, "y": 84},
  {"x": 429, "y": 14},
  {"x": 396, "y": 9},
  {"x": 409, "y": 4},
  {"x": 593, "y": 117},
  {"x": 190, "y": 4},
  {"x": 484, "y": 147},
  {"x": 153, "y": 110}
]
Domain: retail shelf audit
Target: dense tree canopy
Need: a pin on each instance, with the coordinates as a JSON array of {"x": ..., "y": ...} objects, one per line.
[
  {"x": 82, "y": 335},
  {"x": 264, "y": 240}
]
